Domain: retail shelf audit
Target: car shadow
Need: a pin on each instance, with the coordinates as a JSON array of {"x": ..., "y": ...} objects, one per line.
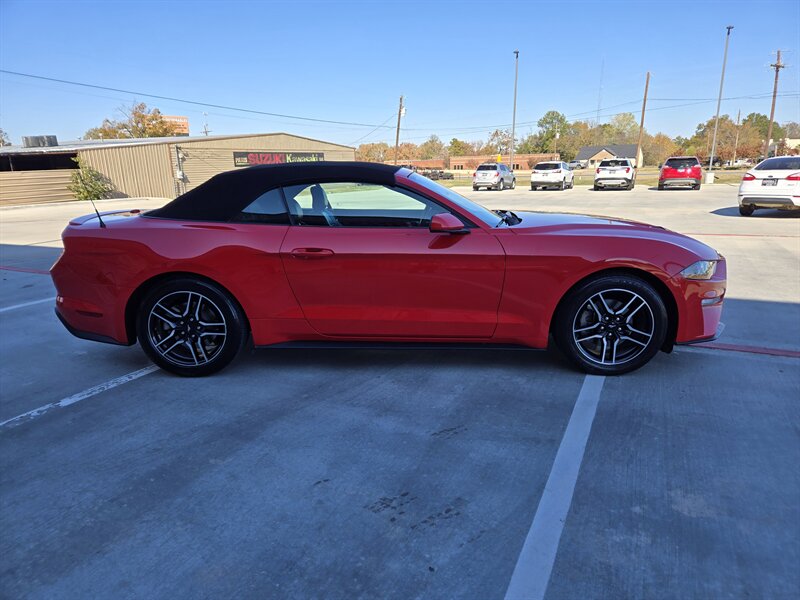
[
  {"x": 654, "y": 188},
  {"x": 764, "y": 213}
]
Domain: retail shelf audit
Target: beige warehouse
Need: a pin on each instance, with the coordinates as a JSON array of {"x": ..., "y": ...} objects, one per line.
[{"x": 149, "y": 167}]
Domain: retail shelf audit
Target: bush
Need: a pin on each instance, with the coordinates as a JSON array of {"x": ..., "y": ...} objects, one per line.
[{"x": 88, "y": 183}]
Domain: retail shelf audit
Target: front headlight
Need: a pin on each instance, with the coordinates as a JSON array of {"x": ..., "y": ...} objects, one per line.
[{"x": 702, "y": 269}]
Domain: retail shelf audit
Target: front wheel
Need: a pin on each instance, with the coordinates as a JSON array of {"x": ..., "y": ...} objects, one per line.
[
  {"x": 746, "y": 210},
  {"x": 611, "y": 325},
  {"x": 514, "y": 183},
  {"x": 190, "y": 327}
]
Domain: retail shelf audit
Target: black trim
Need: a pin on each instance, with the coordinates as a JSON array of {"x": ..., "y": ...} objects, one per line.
[
  {"x": 711, "y": 338},
  {"x": 323, "y": 345},
  {"x": 87, "y": 335}
]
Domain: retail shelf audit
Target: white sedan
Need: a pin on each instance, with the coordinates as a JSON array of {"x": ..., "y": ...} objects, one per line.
[{"x": 773, "y": 183}]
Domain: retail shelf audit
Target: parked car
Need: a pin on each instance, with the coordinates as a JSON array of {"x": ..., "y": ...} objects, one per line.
[
  {"x": 680, "y": 171},
  {"x": 446, "y": 175},
  {"x": 577, "y": 164},
  {"x": 772, "y": 183},
  {"x": 327, "y": 253},
  {"x": 493, "y": 176},
  {"x": 615, "y": 173},
  {"x": 552, "y": 175}
]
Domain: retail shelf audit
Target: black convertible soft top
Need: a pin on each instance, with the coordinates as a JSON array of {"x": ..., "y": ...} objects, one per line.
[{"x": 225, "y": 195}]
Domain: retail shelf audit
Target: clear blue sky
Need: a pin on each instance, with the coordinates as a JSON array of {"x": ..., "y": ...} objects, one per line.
[{"x": 350, "y": 61}]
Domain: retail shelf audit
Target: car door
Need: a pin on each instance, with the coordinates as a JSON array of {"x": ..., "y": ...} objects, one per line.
[{"x": 362, "y": 262}]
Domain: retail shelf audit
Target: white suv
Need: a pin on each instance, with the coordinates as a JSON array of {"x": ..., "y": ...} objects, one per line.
[
  {"x": 615, "y": 172},
  {"x": 773, "y": 183},
  {"x": 552, "y": 175},
  {"x": 493, "y": 176}
]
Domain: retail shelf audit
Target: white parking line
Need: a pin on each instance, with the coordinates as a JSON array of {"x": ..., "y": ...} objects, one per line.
[
  {"x": 24, "y": 304},
  {"x": 38, "y": 412},
  {"x": 532, "y": 572}
]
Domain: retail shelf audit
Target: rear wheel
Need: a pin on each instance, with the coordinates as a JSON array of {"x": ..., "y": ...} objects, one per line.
[
  {"x": 533, "y": 189},
  {"x": 746, "y": 210},
  {"x": 500, "y": 185},
  {"x": 630, "y": 186},
  {"x": 596, "y": 187},
  {"x": 696, "y": 186},
  {"x": 661, "y": 187},
  {"x": 190, "y": 327},
  {"x": 513, "y": 183},
  {"x": 474, "y": 188},
  {"x": 610, "y": 325}
]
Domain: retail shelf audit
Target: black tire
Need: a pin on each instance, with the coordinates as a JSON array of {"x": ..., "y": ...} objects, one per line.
[
  {"x": 533, "y": 189},
  {"x": 596, "y": 188},
  {"x": 500, "y": 185},
  {"x": 572, "y": 183},
  {"x": 191, "y": 309},
  {"x": 576, "y": 313},
  {"x": 696, "y": 186},
  {"x": 660, "y": 187},
  {"x": 563, "y": 185},
  {"x": 474, "y": 188},
  {"x": 630, "y": 186},
  {"x": 513, "y": 183},
  {"x": 746, "y": 209}
]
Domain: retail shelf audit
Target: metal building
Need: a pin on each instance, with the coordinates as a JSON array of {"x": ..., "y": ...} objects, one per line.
[{"x": 148, "y": 167}]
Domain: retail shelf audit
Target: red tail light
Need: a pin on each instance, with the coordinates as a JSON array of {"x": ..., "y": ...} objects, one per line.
[
  {"x": 598, "y": 170},
  {"x": 793, "y": 177},
  {"x": 748, "y": 177},
  {"x": 627, "y": 169},
  {"x": 474, "y": 173}
]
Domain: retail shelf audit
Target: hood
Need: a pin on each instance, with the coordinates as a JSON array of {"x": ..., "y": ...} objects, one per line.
[{"x": 541, "y": 223}]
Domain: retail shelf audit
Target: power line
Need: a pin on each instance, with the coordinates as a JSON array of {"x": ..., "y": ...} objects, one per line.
[
  {"x": 183, "y": 100},
  {"x": 373, "y": 131}
]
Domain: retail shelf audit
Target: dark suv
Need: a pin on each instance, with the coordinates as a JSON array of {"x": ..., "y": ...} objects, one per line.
[{"x": 682, "y": 171}]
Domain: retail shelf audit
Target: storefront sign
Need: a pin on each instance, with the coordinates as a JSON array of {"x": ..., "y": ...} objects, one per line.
[{"x": 248, "y": 159}]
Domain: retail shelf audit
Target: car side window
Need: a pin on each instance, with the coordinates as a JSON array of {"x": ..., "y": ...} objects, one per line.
[
  {"x": 268, "y": 208},
  {"x": 358, "y": 205}
]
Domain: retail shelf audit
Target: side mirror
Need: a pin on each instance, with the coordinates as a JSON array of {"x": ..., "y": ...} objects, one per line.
[{"x": 447, "y": 223}]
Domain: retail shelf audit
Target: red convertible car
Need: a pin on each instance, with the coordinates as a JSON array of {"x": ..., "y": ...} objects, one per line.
[{"x": 366, "y": 254}]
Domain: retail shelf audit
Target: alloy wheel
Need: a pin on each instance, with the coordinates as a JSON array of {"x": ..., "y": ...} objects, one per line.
[
  {"x": 187, "y": 328},
  {"x": 613, "y": 327}
]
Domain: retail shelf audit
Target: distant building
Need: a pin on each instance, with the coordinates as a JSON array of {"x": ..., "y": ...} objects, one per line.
[
  {"x": 147, "y": 167},
  {"x": 420, "y": 163},
  {"x": 522, "y": 162},
  {"x": 594, "y": 154},
  {"x": 786, "y": 146},
  {"x": 181, "y": 124}
]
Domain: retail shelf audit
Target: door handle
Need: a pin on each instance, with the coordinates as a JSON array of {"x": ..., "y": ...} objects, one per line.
[{"x": 311, "y": 253}]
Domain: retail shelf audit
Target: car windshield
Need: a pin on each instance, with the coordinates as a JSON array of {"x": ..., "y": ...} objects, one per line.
[
  {"x": 614, "y": 163},
  {"x": 780, "y": 163},
  {"x": 487, "y": 167},
  {"x": 476, "y": 210},
  {"x": 681, "y": 163},
  {"x": 546, "y": 166}
]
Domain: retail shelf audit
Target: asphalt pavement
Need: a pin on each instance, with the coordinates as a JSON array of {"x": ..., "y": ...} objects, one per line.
[{"x": 409, "y": 474}]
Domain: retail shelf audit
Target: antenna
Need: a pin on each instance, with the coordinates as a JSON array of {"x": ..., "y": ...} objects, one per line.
[{"x": 97, "y": 212}]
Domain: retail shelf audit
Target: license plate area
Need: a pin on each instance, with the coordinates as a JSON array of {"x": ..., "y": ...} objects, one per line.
[{"x": 769, "y": 182}]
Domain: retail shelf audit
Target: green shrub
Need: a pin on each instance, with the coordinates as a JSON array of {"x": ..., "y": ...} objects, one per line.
[{"x": 88, "y": 183}]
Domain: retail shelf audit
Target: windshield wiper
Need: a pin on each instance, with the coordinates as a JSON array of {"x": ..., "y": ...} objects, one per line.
[{"x": 509, "y": 217}]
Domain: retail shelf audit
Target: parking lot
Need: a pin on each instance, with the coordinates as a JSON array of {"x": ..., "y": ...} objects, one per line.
[{"x": 409, "y": 473}]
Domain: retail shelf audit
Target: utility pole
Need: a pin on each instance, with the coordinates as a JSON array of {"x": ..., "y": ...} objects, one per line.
[
  {"x": 778, "y": 65},
  {"x": 205, "y": 124},
  {"x": 397, "y": 134},
  {"x": 641, "y": 123},
  {"x": 719, "y": 101},
  {"x": 514, "y": 114},
  {"x": 600, "y": 90},
  {"x": 736, "y": 143}
]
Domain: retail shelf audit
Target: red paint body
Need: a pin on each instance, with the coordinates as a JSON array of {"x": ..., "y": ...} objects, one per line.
[{"x": 493, "y": 285}]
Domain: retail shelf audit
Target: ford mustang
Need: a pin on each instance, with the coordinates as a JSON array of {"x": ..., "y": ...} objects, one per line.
[{"x": 360, "y": 254}]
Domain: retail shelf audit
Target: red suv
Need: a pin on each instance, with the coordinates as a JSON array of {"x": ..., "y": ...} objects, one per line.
[{"x": 680, "y": 171}]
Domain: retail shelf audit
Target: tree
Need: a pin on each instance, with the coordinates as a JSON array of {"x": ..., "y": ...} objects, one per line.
[
  {"x": 529, "y": 144},
  {"x": 139, "y": 122},
  {"x": 406, "y": 151},
  {"x": 624, "y": 129},
  {"x": 4, "y": 138},
  {"x": 377, "y": 152},
  {"x": 432, "y": 148},
  {"x": 791, "y": 130},
  {"x": 761, "y": 124},
  {"x": 459, "y": 148},
  {"x": 551, "y": 124},
  {"x": 499, "y": 142},
  {"x": 89, "y": 184},
  {"x": 657, "y": 148}
]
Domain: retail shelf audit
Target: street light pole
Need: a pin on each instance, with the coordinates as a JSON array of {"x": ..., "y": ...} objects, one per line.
[
  {"x": 514, "y": 116},
  {"x": 719, "y": 101}
]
